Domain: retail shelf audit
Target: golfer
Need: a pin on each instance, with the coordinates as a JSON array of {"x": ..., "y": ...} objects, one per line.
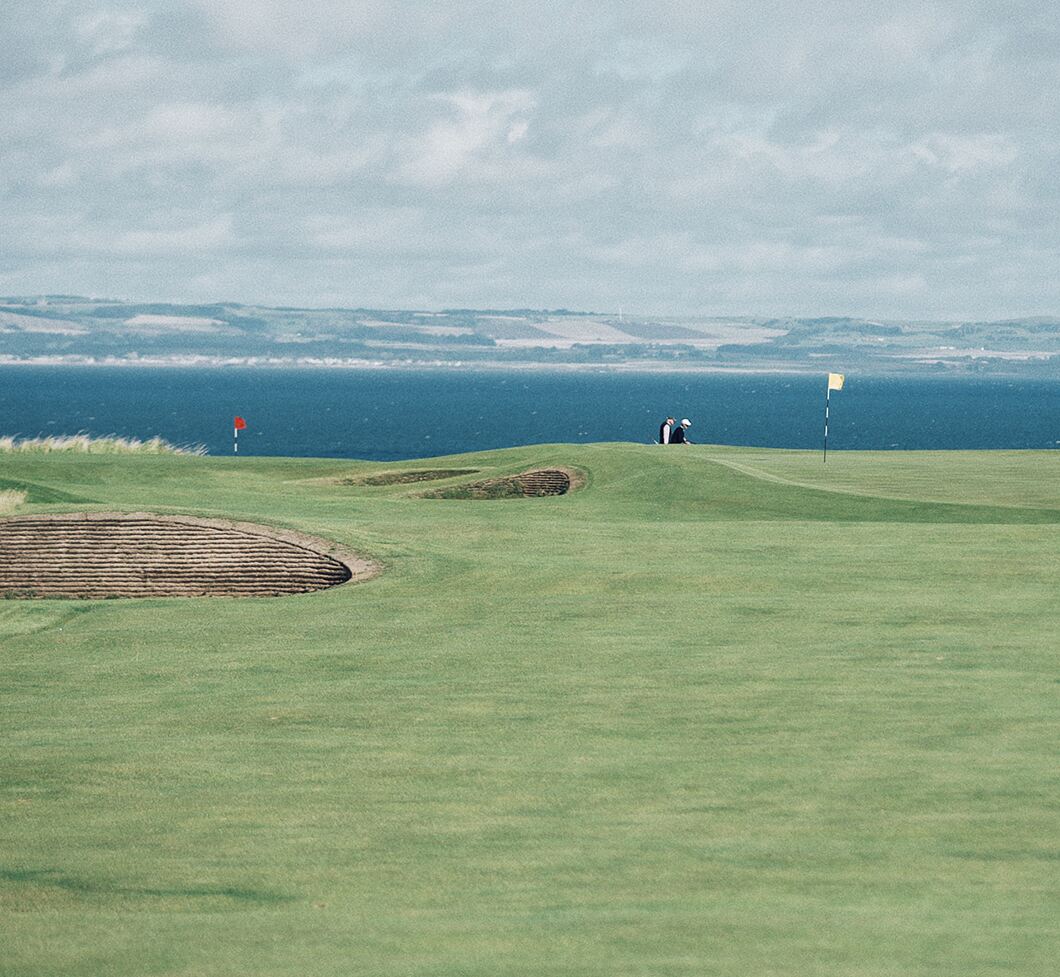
[
  {"x": 664, "y": 430},
  {"x": 678, "y": 435}
]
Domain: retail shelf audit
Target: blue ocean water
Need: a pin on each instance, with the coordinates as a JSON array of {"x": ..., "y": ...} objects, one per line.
[{"x": 384, "y": 414}]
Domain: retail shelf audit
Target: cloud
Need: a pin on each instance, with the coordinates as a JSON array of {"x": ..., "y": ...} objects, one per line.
[
  {"x": 105, "y": 32},
  {"x": 470, "y": 140},
  {"x": 964, "y": 153},
  {"x": 168, "y": 240},
  {"x": 635, "y": 60},
  {"x": 706, "y": 156},
  {"x": 284, "y": 27}
]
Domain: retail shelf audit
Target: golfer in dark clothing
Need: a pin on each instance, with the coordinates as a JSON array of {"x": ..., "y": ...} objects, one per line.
[
  {"x": 665, "y": 428},
  {"x": 678, "y": 435}
]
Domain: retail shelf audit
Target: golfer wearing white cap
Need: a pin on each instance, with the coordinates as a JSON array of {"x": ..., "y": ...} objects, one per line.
[{"x": 678, "y": 436}]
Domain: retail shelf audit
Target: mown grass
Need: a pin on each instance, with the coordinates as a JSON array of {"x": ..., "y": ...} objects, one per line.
[{"x": 690, "y": 719}]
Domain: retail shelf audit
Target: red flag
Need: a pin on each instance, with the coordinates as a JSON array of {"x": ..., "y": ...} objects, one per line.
[{"x": 240, "y": 424}]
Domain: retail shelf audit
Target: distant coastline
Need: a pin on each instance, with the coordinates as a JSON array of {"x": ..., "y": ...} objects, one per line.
[
  {"x": 500, "y": 366},
  {"x": 449, "y": 366},
  {"x": 62, "y": 331}
]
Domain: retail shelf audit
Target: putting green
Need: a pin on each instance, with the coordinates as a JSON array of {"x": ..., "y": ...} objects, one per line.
[{"x": 719, "y": 711}]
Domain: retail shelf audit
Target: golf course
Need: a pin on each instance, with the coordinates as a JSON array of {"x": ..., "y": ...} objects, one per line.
[{"x": 711, "y": 711}]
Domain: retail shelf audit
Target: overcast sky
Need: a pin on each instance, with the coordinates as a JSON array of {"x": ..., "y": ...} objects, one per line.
[{"x": 877, "y": 159}]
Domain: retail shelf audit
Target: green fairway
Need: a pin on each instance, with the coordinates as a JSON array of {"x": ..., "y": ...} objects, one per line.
[{"x": 718, "y": 712}]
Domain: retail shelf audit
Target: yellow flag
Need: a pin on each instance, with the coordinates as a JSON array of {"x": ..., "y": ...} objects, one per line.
[{"x": 835, "y": 381}]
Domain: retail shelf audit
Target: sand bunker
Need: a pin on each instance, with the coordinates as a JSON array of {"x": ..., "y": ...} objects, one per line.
[
  {"x": 543, "y": 481},
  {"x": 100, "y": 555}
]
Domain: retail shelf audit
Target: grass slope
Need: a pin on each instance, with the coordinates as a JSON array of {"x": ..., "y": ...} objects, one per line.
[{"x": 705, "y": 716}]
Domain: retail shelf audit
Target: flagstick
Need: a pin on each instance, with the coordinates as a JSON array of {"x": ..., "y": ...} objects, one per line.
[
  {"x": 827, "y": 398},
  {"x": 235, "y": 440}
]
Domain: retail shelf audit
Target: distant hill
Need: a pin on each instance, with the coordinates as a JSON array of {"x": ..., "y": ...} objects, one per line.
[{"x": 75, "y": 329}]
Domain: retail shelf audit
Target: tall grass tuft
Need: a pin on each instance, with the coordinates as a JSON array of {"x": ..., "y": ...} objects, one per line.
[
  {"x": 112, "y": 444},
  {"x": 10, "y": 500}
]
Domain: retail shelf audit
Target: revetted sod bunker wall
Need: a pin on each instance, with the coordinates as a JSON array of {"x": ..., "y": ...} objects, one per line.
[
  {"x": 544, "y": 481},
  {"x": 99, "y": 555},
  {"x": 531, "y": 484}
]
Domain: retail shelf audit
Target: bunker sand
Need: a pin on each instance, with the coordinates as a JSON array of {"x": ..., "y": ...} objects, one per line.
[{"x": 105, "y": 555}]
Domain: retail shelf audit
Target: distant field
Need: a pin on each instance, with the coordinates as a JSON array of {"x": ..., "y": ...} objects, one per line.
[
  {"x": 70, "y": 330},
  {"x": 718, "y": 711}
]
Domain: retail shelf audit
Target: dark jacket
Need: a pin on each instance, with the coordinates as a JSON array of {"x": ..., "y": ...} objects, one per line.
[
  {"x": 677, "y": 436},
  {"x": 663, "y": 439}
]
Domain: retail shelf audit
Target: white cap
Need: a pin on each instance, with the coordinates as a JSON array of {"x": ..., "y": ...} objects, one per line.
[{"x": 685, "y": 422}]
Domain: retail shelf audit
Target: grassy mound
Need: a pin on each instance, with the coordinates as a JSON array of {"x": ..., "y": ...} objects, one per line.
[{"x": 721, "y": 712}]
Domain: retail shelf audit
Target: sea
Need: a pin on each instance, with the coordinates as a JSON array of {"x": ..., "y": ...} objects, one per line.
[{"x": 390, "y": 414}]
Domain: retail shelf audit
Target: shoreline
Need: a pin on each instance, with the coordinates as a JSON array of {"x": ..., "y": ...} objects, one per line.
[{"x": 494, "y": 366}]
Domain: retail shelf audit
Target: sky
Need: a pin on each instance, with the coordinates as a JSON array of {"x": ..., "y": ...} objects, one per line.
[{"x": 885, "y": 160}]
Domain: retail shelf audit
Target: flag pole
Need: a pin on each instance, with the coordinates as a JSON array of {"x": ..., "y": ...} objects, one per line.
[
  {"x": 827, "y": 399},
  {"x": 835, "y": 382},
  {"x": 237, "y": 425}
]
